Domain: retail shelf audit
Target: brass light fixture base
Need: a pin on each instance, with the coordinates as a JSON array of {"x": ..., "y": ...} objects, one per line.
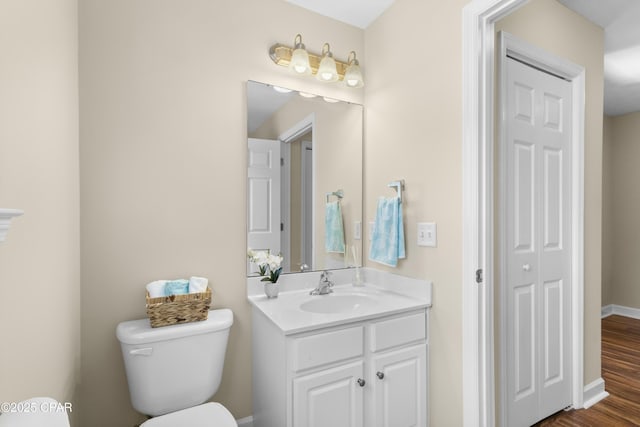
[{"x": 281, "y": 55}]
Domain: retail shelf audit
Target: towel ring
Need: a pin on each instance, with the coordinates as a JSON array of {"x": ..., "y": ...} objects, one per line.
[
  {"x": 339, "y": 194},
  {"x": 399, "y": 186}
]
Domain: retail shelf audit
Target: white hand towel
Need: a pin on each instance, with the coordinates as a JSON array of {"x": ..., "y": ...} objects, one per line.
[
  {"x": 156, "y": 289},
  {"x": 198, "y": 284}
]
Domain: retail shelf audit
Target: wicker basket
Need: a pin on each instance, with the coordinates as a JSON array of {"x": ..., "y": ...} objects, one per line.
[{"x": 174, "y": 309}]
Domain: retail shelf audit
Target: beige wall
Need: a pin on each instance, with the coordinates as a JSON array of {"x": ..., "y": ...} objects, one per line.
[
  {"x": 570, "y": 36},
  {"x": 337, "y": 154},
  {"x": 624, "y": 210},
  {"x": 608, "y": 224},
  {"x": 39, "y": 261},
  {"x": 413, "y": 131},
  {"x": 163, "y": 165}
]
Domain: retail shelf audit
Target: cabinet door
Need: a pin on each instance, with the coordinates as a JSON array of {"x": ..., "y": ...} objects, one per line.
[
  {"x": 330, "y": 398},
  {"x": 399, "y": 385}
]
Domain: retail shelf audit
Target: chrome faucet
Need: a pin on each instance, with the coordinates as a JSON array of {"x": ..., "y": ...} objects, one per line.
[{"x": 325, "y": 285}]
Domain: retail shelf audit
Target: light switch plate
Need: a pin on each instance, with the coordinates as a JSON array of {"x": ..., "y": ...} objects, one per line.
[
  {"x": 357, "y": 230},
  {"x": 427, "y": 234}
]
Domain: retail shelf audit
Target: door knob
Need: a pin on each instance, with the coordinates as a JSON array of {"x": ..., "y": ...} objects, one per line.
[
  {"x": 361, "y": 382},
  {"x": 380, "y": 374},
  {"x": 526, "y": 267}
]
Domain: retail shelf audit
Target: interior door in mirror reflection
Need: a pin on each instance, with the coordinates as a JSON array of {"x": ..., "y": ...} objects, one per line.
[{"x": 263, "y": 190}]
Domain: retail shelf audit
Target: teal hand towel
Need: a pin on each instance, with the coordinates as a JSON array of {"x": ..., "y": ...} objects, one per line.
[
  {"x": 333, "y": 228},
  {"x": 176, "y": 287},
  {"x": 387, "y": 241}
]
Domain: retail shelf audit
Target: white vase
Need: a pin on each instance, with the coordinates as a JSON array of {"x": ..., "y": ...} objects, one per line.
[{"x": 271, "y": 289}]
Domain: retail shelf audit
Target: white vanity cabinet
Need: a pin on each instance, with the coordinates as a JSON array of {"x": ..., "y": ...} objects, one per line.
[{"x": 367, "y": 373}]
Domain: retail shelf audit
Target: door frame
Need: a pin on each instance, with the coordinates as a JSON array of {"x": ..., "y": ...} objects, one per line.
[
  {"x": 285, "y": 205},
  {"x": 478, "y": 37},
  {"x": 286, "y": 138},
  {"x": 306, "y": 243},
  {"x": 509, "y": 45}
]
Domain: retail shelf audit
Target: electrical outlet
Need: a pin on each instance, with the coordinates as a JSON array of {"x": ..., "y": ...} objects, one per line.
[{"x": 427, "y": 234}]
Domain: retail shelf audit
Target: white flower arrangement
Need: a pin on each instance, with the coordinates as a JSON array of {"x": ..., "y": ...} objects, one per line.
[{"x": 269, "y": 265}]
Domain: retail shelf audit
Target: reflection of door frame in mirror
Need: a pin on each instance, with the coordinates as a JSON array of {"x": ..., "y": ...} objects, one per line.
[
  {"x": 285, "y": 203},
  {"x": 303, "y": 126},
  {"x": 307, "y": 235}
]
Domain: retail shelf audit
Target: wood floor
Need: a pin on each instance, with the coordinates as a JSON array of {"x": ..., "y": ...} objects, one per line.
[{"x": 621, "y": 374}]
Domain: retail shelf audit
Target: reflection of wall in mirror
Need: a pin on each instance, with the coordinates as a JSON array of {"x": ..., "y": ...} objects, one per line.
[{"x": 338, "y": 159}]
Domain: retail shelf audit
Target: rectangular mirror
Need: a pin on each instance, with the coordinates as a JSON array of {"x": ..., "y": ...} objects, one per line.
[{"x": 304, "y": 155}]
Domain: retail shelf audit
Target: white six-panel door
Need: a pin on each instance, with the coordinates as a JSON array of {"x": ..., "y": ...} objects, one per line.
[
  {"x": 537, "y": 228},
  {"x": 263, "y": 190}
]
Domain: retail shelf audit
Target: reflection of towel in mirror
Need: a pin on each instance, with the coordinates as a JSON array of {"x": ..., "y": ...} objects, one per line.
[
  {"x": 387, "y": 241},
  {"x": 333, "y": 228}
]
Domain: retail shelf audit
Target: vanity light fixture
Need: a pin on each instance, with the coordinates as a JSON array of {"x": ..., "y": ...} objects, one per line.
[
  {"x": 323, "y": 66},
  {"x": 307, "y": 95},
  {"x": 330, "y": 100}
]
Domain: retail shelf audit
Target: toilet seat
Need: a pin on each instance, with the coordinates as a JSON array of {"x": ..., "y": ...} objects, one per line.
[
  {"x": 39, "y": 411},
  {"x": 205, "y": 415}
]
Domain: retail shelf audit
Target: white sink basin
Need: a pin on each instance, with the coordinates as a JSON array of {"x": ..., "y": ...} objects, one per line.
[{"x": 336, "y": 303}]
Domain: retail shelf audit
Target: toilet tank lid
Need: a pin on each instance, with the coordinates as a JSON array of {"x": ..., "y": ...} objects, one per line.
[{"x": 141, "y": 332}]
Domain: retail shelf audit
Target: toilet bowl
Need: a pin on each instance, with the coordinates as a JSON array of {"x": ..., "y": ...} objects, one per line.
[
  {"x": 35, "y": 412},
  {"x": 173, "y": 370}
]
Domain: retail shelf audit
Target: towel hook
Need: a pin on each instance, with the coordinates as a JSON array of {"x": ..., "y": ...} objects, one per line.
[
  {"x": 399, "y": 186},
  {"x": 338, "y": 193}
]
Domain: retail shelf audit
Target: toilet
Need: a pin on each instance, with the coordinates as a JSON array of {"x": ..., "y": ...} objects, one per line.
[
  {"x": 36, "y": 412},
  {"x": 173, "y": 370}
]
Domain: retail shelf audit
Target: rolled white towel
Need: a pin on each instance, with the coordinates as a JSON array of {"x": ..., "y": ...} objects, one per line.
[
  {"x": 156, "y": 288},
  {"x": 198, "y": 284}
]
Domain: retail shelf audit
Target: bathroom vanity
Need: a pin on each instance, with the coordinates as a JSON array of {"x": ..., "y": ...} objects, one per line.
[{"x": 356, "y": 357}]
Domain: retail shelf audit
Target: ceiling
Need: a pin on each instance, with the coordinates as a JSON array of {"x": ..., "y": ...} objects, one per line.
[
  {"x": 263, "y": 101},
  {"x": 359, "y": 13},
  {"x": 619, "y": 18}
]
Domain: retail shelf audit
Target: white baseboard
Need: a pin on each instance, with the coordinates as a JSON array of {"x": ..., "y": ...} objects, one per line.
[
  {"x": 245, "y": 422},
  {"x": 594, "y": 393},
  {"x": 620, "y": 310}
]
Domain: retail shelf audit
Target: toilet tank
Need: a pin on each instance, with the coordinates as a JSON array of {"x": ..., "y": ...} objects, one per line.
[{"x": 174, "y": 367}]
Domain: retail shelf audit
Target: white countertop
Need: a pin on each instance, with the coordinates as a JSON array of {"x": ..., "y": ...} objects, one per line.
[{"x": 390, "y": 294}]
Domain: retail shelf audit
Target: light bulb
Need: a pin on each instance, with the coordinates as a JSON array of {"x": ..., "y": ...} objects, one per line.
[
  {"x": 327, "y": 71},
  {"x": 299, "y": 57},
  {"x": 353, "y": 75}
]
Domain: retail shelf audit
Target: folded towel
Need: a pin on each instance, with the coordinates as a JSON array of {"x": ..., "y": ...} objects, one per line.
[
  {"x": 197, "y": 284},
  {"x": 333, "y": 228},
  {"x": 156, "y": 289},
  {"x": 176, "y": 287},
  {"x": 387, "y": 241}
]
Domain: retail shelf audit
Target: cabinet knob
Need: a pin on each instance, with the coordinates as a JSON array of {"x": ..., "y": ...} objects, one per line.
[
  {"x": 526, "y": 267},
  {"x": 380, "y": 374},
  {"x": 361, "y": 382}
]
